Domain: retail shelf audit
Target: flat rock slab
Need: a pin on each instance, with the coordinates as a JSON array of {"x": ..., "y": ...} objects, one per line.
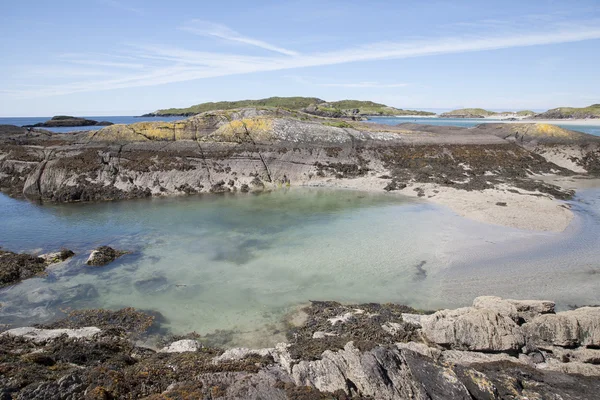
[{"x": 43, "y": 335}]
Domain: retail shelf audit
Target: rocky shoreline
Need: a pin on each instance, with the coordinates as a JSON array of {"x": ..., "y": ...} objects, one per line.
[
  {"x": 495, "y": 349},
  {"x": 253, "y": 150}
]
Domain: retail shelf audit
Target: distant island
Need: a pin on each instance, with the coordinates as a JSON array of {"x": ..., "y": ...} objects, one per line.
[
  {"x": 354, "y": 109},
  {"x": 592, "y": 111},
  {"x": 359, "y": 110},
  {"x": 63, "y": 121},
  {"x": 482, "y": 113}
]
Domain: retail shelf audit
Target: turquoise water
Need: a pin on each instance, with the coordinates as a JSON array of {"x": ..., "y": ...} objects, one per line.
[
  {"x": 240, "y": 263},
  {"x": 471, "y": 122}
]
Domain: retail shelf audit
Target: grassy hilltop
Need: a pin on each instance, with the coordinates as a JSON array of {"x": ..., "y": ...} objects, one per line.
[
  {"x": 335, "y": 108},
  {"x": 592, "y": 111}
]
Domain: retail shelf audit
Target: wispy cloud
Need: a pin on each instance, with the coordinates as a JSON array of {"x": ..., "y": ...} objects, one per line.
[
  {"x": 149, "y": 65},
  {"x": 206, "y": 28}
]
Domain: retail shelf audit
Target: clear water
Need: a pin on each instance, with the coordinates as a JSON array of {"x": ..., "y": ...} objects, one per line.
[
  {"x": 239, "y": 263},
  {"x": 20, "y": 121},
  {"x": 471, "y": 122}
]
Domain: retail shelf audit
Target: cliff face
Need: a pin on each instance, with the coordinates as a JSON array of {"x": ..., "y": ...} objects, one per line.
[{"x": 253, "y": 149}]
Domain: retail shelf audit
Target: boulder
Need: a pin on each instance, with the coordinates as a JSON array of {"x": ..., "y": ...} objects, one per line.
[
  {"x": 580, "y": 327},
  {"x": 104, "y": 255},
  {"x": 43, "y": 335},
  {"x": 473, "y": 329},
  {"x": 182, "y": 346},
  {"x": 519, "y": 310},
  {"x": 381, "y": 373},
  {"x": 58, "y": 256}
]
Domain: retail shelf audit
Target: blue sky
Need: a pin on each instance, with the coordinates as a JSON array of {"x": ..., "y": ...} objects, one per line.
[{"x": 127, "y": 57}]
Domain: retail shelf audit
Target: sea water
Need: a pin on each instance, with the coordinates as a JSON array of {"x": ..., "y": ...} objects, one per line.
[{"x": 234, "y": 266}]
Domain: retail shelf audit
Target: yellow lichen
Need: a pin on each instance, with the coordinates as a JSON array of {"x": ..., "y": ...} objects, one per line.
[{"x": 255, "y": 129}]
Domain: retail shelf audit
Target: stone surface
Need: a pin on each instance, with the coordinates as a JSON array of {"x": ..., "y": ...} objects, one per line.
[
  {"x": 580, "y": 327},
  {"x": 182, "y": 346},
  {"x": 519, "y": 310},
  {"x": 473, "y": 329},
  {"x": 103, "y": 255},
  {"x": 381, "y": 373},
  {"x": 42, "y": 335}
]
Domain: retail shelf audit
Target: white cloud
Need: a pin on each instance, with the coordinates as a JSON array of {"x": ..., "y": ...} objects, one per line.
[
  {"x": 156, "y": 65},
  {"x": 206, "y": 28}
]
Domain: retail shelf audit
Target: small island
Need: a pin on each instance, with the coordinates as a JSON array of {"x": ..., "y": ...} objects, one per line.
[
  {"x": 351, "y": 109},
  {"x": 483, "y": 113},
  {"x": 592, "y": 111},
  {"x": 64, "y": 121}
]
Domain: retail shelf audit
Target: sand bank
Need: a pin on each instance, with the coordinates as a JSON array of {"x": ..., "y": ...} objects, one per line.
[{"x": 506, "y": 206}]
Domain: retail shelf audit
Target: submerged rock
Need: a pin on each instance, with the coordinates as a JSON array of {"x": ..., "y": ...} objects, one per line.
[
  {"x": 104, "y": 255},
  {"x": 152, "y": 284}
]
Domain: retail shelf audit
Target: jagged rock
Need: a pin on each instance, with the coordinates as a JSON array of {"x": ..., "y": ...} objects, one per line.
[
  {"x": 240, "y": 353},
  {"x": 382, "y": 373},
  {"x": 43, "y": 335},
  {"x": 104, "y": 255},
  {"x": 58, "y": 256},
  {"x": 518, "y": 310},
  {"x": 182, "y": 346},
  {"x": 580, "y": 327},
  {"x": 473, "y": 329}
]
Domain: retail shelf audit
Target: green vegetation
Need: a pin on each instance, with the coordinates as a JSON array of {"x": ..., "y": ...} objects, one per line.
[
  {"x": 338, "y": 124},
  {"x": 469, "y": 113},
  {"x": 372, "y": 108},
  {"x": 524, "y": 113},
  {"x": 339, "y": 108},
  {"x": 292, "y": 103},
  {"x": 592, "y": 111}
]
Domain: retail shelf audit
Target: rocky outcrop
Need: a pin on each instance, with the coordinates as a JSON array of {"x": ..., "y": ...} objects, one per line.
[
  {"x": 360, "y": 357},
  {"x": 474, "y": 329},
  {"x": 568, "y": 329},
  {"x": 103, "y": 255},
  {"x": 16, "y": 267},
  {"x": 61, "y": 121},
  {"x": 262, "y": 149}
]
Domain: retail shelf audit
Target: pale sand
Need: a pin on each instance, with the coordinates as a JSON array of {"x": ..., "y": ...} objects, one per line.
[
  {"x": 523, "y": 210},
  {"x": 584, "y": 122}
]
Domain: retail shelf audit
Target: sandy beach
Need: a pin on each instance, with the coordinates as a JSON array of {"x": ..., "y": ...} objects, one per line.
[{"x": 506, "y": 205}]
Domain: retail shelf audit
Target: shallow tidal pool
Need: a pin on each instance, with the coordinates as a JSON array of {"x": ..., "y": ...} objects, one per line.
[{"x": 233, "y": 266}]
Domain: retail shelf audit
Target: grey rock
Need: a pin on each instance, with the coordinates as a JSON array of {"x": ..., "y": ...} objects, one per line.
[
  {"x": 473, "y": 329},
  {"x": 381, "y": 373},
  {"x": 182, "y": 346},
  {"x": 43, "y": 335},
  {"x": 580, "y": 327},
  {"x": 518, "y": 310},
  {"x": 103, "y": 255}
]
